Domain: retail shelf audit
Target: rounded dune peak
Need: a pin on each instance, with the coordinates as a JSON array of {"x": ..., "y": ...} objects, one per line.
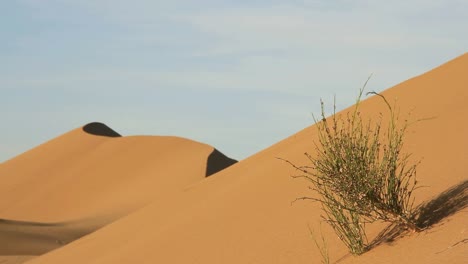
[{"x": 100, "y": 129}]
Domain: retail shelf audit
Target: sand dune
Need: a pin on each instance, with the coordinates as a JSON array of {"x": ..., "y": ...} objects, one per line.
[
  {"x": 243, "y": 214},
  {"x": 86, "y": 178},
  {"x": 15, "y": 259},
  {"x": 92, "y": 171},
  {"x": 30, "y": 238}
]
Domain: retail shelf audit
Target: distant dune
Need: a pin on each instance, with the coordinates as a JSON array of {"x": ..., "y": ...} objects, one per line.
[
  {"x": 243, "y": 214},
  {"x": 88, "y": 177}
]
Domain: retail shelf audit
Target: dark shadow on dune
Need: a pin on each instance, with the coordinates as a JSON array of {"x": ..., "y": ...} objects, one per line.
[
  {"x": 100, "y": 129},
  {"x": 31, "y": 238},
  {"x": 6, "y": 222},
  {"x": 216, "y": 162},
  {"x": 34, "y": 238},
  {"x": 444, "y": 205},
  {"x": 430, "y": 213},
  {"x": 388, "y": 235}
]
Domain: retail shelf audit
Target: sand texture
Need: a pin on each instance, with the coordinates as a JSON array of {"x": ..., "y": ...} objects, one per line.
[
  {"x": 89, "y": 177},
  {"x": 155, "y": 205}
]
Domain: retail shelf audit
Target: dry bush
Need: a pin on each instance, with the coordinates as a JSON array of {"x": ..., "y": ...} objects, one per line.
[{"x": 360, "y": 174}]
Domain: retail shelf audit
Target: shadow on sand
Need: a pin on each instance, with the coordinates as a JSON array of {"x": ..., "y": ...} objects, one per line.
[
  {"x": 31, "y": 238},
  {"x": 430, "y": 213},
  {"x": 216, "y": 162},
  {"x": 35, "y": 238},
  {"x": 99, "y": 129}
]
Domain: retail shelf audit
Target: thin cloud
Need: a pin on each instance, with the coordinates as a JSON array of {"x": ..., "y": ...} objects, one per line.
[{"x": 119, "y": 53}]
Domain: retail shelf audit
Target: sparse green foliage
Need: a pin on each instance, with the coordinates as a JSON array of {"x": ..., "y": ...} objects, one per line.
[
  {"x": 361, "y": 174},
  {"x": 321, "y": 246}
]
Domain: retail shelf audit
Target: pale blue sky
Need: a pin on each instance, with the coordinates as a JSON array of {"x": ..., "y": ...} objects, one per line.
[{"x": 238, "y": 75}]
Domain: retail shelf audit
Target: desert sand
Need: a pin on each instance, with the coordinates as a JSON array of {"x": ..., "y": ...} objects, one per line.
[
  {"x": 89, "y": 177},
  {"x": 241, "y": 214}
]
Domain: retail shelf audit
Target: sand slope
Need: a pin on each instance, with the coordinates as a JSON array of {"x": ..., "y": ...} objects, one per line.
[
  {"x": 243, "y": 214},
  {"x": 88, "y": 177},
  {"x": 80, "y": 174}
]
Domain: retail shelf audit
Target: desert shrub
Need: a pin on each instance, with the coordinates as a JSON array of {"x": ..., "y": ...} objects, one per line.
[
  {"x": 360, "y": 173},
  {"x": 321, "y": 245}
]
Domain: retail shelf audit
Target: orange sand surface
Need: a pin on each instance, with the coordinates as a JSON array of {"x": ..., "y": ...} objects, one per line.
[
  {"x": 242, "y": 214},
  {"x": 87, "y": 178}
]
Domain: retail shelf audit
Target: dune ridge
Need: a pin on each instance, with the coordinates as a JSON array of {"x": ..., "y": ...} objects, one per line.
[
  {"x": 243, "y": 214},
  {"x": 86, "y": 178}
]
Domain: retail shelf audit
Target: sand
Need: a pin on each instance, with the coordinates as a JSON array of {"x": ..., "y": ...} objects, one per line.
[
  {"x": 243, "y": 214},
  {"x": 89, "y": 177}
]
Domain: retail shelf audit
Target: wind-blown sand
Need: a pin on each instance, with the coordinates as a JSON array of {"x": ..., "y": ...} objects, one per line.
[{"x": 243, "y": 214}]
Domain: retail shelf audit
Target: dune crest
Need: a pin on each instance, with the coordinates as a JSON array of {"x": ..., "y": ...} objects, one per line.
[
  {"x": 94, "y": 164},
  {"x": 86, "y": 178},
  {"x": 243, "y": 214}
]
